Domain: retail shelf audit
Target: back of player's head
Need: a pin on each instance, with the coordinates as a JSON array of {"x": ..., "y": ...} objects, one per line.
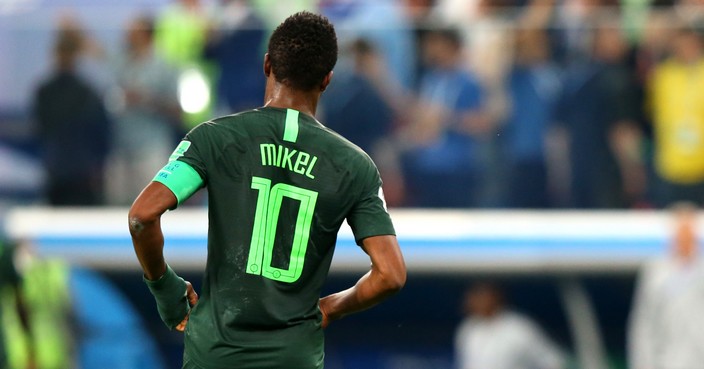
[{"x": 303, "y": 50}]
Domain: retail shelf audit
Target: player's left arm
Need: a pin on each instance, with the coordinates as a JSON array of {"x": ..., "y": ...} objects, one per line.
[
  {"x": 174, "y": 295},
  {"x": 386, "y": 277},
  {"x": 374, "y": 232}
]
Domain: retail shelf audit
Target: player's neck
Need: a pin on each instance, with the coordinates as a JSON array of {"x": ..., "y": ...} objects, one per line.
[{"x": 279, "y": 95}]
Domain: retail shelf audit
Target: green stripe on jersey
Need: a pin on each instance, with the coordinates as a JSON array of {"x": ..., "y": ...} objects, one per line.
[{"x": 291, "y": 128}]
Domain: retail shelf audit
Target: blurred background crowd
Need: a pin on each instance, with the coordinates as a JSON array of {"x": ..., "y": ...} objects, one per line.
[
  {"x": 474, "y": 104},
  {"x": 463, "y": 104}
]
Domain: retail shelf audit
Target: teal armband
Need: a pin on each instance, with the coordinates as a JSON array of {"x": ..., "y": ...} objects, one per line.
[
  {"x": 171, "y": 300},
  {"x": 180, "y": 178}
]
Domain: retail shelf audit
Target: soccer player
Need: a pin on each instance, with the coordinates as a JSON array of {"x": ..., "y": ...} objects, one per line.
[{"x": 279, "y": 184}]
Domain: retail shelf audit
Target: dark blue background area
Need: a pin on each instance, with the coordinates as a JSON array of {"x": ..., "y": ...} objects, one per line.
[{"x": 415, "y": 328}]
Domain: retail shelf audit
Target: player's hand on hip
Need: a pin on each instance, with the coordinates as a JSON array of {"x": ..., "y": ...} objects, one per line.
[
  {"x": 326, "y": 320},
  {"x": 192, "y": 297}
]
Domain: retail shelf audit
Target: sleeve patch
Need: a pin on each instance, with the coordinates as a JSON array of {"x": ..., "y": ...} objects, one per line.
[{"x": 180, "y": 150}]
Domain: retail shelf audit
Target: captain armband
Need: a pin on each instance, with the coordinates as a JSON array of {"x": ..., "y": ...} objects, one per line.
[{"x": 180, "y": 178}]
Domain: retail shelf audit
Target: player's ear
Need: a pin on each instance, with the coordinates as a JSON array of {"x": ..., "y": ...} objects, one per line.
[
  {"x": 326, "y": 82},
  {"x": 267, "y": 65}
]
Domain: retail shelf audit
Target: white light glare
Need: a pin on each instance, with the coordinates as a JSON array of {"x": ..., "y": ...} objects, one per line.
[{"x": 193, "y": 91}]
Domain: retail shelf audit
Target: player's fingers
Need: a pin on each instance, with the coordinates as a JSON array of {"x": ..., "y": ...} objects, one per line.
[
  {"x": 192, "y": 297},
  {"x": 325, "y": 321},
  {"x": 182, "y": 326},
  {"x": 191, "y": 294}
]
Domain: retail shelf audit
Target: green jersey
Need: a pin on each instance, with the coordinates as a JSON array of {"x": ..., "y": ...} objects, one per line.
[{"x": 279, "y": 184}]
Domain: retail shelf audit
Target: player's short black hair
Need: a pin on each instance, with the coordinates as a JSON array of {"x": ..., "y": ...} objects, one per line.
[{"x": 303, "y": 50}]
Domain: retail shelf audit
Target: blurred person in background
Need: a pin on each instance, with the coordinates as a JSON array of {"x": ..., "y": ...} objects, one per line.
[
  {"x": 180, "y": 32},
  {"x": 487, "y": 32},
  {"x": 353, "y": 107},
  {"x": 676, "y": 99},
  {"x": 691, "y": 11},
  {"x": 574, "y": 34},
  {"x": 487, "y": 29},
  {"x": 385, "y": 25},
  {"x": 650, "y": 50},
  {"x": 420, "y": 14},
  {"x": 418, "y": 11},
  {"x": 235, "y": 45},
  {"x": 72, "y": 127},
  {"x": 493, "y": 336},
  {"x": 180, "y": 36},
  {"x": 146, "y": 116},
  {"x": 652, "y": 45},
  {"x": 533, "y": 87},
  {"x": 597, "y": 135},
  {"x": 440, "y": 161},
  {"x": 665, "y": 330},
  {"x": 36, "y": 311},
  {"x": 58, "y": 316},
  {"x": 360, "y": 107},
  {"x": 273, "y": 12},
  {"x": 11, "y": 304}
]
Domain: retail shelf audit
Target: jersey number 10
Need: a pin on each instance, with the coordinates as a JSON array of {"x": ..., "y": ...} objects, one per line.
[{"x": 266, "y": 218}]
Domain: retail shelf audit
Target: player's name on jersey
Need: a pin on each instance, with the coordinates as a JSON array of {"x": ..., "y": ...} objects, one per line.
[{"x": 294, "y": 160}]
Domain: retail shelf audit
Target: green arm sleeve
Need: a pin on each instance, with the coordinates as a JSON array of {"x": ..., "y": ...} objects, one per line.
[
  {"x": 180, "y": 178},
  {"x": 171, "y": 299}
]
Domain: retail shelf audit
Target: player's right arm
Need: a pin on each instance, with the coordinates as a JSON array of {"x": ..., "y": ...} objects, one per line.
[
  {"x": 174, "y": 296},
  {"x": 175, "y": 183},
  {"x": 386, "y": 277},
  {"x": 145, "y": 228}
]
